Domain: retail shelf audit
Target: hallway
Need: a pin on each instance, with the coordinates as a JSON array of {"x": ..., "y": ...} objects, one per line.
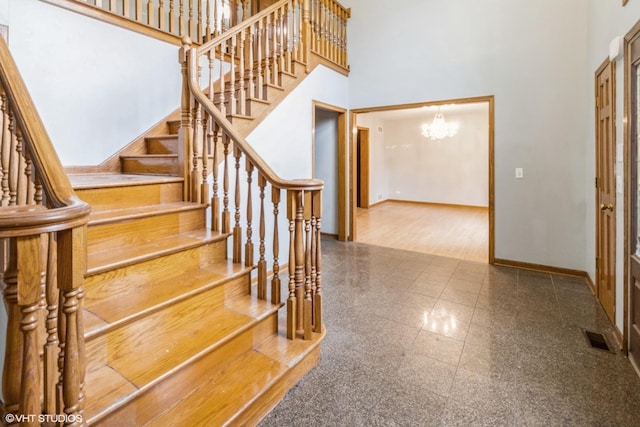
[{"x": 422, "y": 340}]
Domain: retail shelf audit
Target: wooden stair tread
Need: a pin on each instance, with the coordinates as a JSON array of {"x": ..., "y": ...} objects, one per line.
[
  {"x": 98, "y": 262},
  {"x": 112, "y": 215},
  {"x": 104, "y": 387},
  {"x": 156, "y": 345},
  {"x": 123, "y": 298},
  {"x": 223, "y": 395},
  {"x": 102, "y": 180}
]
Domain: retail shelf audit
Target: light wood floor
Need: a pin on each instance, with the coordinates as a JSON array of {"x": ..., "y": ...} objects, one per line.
[{"x": 454, "y": 231}]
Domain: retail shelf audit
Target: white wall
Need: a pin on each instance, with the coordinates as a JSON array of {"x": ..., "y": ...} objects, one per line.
[
  {"x": 96, "y": 86},
  {"x": 378, "y": 181},
  {"x": 532, "y": 57},
  {"x": 326, "y": 165},
  {"x": 454, "y": 170},
  {"x": 606, "y": 21}
]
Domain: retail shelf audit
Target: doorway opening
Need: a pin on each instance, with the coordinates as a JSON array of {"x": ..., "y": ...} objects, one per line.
[
  {"x": 428, "y": 191},
  {"x": 329, "y": 150}
]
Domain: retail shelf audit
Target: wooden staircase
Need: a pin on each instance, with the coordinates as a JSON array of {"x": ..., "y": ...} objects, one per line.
[{"x": 175, "y": 334}]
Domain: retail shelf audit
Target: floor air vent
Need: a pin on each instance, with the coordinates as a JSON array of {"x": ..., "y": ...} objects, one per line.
[{"x": 597, "y": 340}]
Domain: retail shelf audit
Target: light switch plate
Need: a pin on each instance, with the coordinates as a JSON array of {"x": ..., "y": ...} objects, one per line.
[{"x": 519, "y": 173}]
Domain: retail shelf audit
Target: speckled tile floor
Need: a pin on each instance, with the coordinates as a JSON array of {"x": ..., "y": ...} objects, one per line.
[{"x": 421, "y": 340}]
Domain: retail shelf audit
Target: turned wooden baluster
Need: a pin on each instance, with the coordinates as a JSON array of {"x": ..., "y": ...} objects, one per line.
[
  {"x": 12, "y": 370},
  {"x": 300, "y": 41},
  {"x": 6, "y": 148},
  {"x": 199, "y": 22},
  {"x": 248, "y": 247},
  {"x": 232, "y": 74},
  {"x": 317, "y": 256},
  {"x": 162, "y": 24},
  {"x": 222, "y": 106},
  {"x": 268, "y": 79},
  {"x": 215, "y": 199},
  {"x": 206, "y": 144},
  {"x": 172, "y": 17},
  {"x": 293, "y": 198},
  {"x": 62, "y": 339},
  {"x": 275, "y": 280},
  {"x": 250, "y": 63},
  {"x": 226, "y": 215},
  {"x": 21, "y": 187},
  {"x": 38, "y": 197},
  {"x": 138, "y": 11},
  {"x": 275, "y": 71},
  {"x": 286, "y": 35},
  {"x": 198, "y": 137},
  {"x": 13, "y": 166},
  {"x": 29, "y": 179},
  {"x": 126, "y": 5},
  {"x": 191, "y": 25},
  {"x": 307, "y": 304},
  {"x": 151, "y": 11},
  {"x": 185, "y": 134},
  {"x": 245, "y": 10},
  {"x": 51, "y": 346},
  {"x": 316, "y": 26},
  {"x": 181, "y": 19},
  {"x": 207, "y": 31},
  {"x": 71, "y": 269},
  {"x": 259, "y": 79},
  {"x": 113, "y": 6},
  {"x": 242, "y": 95},
  {"x": 237, "y": 229},
  {"x": 280, "y": 30},
  {"x": 262, "y": 262}
]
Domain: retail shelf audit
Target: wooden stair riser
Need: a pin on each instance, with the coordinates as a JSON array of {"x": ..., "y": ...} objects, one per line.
[
  {"x": 166, "y": 144},
  {"x": 173, "y": 126},
  {"x": 172, "y": 388},
  {"x": 265, "y": 402},
  {"x": 108, "y": 198},
  {"x": 126, "y": 232},
  {"x": 119, "y": 308},
  {"x": 112, "y": 261},
  {"x": 166, "y": 164}
]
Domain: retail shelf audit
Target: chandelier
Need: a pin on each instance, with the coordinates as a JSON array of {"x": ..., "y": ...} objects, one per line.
[{"x": 439, "y": 128}]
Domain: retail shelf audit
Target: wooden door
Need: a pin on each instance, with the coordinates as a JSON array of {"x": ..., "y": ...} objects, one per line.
[
  {"x": 632, "y": 321},
  {"x": 606, "y": 188},
  {"x": 363, "y": 167}
]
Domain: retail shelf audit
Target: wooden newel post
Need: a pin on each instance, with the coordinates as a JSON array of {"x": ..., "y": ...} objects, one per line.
[
  {"x": 185, "y": 135},
  {"x": 12, "y": 371},
  {"x": 29, "y": 291},
  {"x": 72, "y": 266}
]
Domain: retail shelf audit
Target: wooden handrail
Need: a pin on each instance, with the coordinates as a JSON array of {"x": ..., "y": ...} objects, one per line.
[{"x": 242, "y": 144}]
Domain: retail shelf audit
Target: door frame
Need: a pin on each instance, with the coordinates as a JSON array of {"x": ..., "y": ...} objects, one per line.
[
  {"x": 490, "y": 99},
  {"x": 364, "y": 165},
  {"x": 342, "y": 161},
  {"x": 598, "y": 161},
  {"x": 629, "y": 228}
]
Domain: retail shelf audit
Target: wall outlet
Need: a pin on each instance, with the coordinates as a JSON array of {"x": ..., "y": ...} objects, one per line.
[
  {"x": 379, "y": 196},
  {"x": 519, "y": 173}
]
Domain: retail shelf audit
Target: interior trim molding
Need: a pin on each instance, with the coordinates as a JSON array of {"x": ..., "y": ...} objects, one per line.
[{"x": 545, "y": 269}]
